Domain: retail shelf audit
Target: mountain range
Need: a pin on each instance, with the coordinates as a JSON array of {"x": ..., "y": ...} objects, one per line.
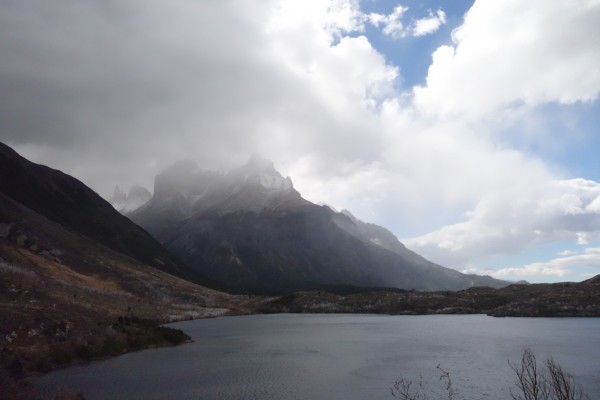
[
  {"x": 71, "y": 265},
  {"x": 250, "y": 230},
  {"x": 75, "y": 274}
]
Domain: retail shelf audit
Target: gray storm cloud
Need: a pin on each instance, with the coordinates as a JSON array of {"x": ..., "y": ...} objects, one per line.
[
  {"x": 137, "y": 85},
  {"x": 127, "y": 77},
  {"x": 130, "y": 84},
  {"x": 113, "y": 92}
]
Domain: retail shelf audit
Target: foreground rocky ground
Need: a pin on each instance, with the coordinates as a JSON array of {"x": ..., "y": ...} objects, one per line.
[{"x": 64, "y": 299}]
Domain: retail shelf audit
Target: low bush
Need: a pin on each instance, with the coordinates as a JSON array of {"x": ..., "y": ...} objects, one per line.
[{"x": 144, "y": 333}]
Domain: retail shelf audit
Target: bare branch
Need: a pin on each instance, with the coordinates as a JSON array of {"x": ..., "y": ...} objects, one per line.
[
  {"x": 530, "y": 381},
  {"x": 533, "y": 383},
  {"x": 445, "y": 375},
  {"x": 402, "y": 390},
  {"x": 561, "y": 385}
]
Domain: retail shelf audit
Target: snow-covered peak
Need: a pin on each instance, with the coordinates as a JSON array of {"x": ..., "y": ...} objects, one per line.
[
  {"x": 262, "y": 172},
  {"x": 119, "y": 196},
  {"x": 276, "y": 182},
  {"x": 183, "y": 179},
  {"x": 255, "y": 186},
  {"x": 137, "y": 197}
]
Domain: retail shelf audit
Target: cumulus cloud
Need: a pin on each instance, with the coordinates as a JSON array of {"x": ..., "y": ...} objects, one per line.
[
  {"x": 507, "y": 59},
  {"x": 587, "y": 264},
  {"x": 512, "y": 54},
  {"x": 392, "y": 23},
  {"x": 565, "y": 253},
  {"x": 511, "y": 221},
  {"x": 113, "y": 92},
  {"x": 136, "y": 85},
  {"x": 329, "y": 20},
  {"x": 394, "y": 26},
  {"x": 430, "y": 24},
  {"x": 568, "y": 266}
]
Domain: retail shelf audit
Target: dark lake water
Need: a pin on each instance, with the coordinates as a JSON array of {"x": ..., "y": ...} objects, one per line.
[{"x": 339, "y": 357}]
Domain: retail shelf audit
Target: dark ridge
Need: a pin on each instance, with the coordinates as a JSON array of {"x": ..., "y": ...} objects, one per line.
[{"x": 68, "y": 202}]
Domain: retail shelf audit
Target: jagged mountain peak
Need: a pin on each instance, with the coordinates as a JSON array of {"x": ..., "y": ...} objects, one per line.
[
  {"x": 323, "y": 204},
  {"x": 183, "y": 179},
  {"x": 118, "y": 196},
  {"x": 185, "y": 189},
  {"x": 134, "y": 199},
  {"x": 261, "y": 172},
  {"x": 186, "y": 179},
  {"x": 348, "y": 214}
]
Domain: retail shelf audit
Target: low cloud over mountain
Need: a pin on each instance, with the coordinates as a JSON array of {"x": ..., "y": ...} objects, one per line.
[{"x": 250, "y": 230}]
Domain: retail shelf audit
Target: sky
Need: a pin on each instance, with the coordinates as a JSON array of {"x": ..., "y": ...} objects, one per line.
[{"x": 470, "y": 129}]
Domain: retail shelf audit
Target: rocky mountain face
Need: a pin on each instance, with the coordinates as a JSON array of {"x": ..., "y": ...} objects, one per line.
[
  {"x": 131, "y": 201},
  {"x": 68, "y": 202},
  {"x": 250, "y": 230},
  {"x": 382, "y": 237}
]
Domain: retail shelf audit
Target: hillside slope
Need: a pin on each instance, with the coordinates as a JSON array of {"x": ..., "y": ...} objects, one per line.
[
  {"x": 68, "y": 202},
  {"x": 61, "y": 291}
]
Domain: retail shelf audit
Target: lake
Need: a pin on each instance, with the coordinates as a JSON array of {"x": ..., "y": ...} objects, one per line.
[{"x": 320, "y": 356}]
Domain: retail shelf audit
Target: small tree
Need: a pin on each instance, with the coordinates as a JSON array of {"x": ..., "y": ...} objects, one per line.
[
  {"x": 551, "y": 383},
  {"x": 530, "y": 380},
  {"x": 403, "y": 389},
  {"x": 562, "y": 385}
]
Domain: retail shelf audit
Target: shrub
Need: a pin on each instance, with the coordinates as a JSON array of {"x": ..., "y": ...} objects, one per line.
[
  {"x": 550, "y": 382},
  {"x": 143, "y": 333}
]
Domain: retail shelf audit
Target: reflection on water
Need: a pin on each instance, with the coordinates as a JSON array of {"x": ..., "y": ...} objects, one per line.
[{"x": 339, "y": 357}]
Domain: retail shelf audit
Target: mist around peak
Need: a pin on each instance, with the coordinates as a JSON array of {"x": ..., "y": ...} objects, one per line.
[{"x": 131, "y": 201}]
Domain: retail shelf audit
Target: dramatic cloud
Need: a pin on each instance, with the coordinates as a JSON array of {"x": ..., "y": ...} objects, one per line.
[
  {"x": 113, "y": 92},
  {"x": 508, "y": 58},
  {"x": 513, "y": 220},
  {"x": 510, "y": 54},
  {"x": 136, "y": 85}
]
